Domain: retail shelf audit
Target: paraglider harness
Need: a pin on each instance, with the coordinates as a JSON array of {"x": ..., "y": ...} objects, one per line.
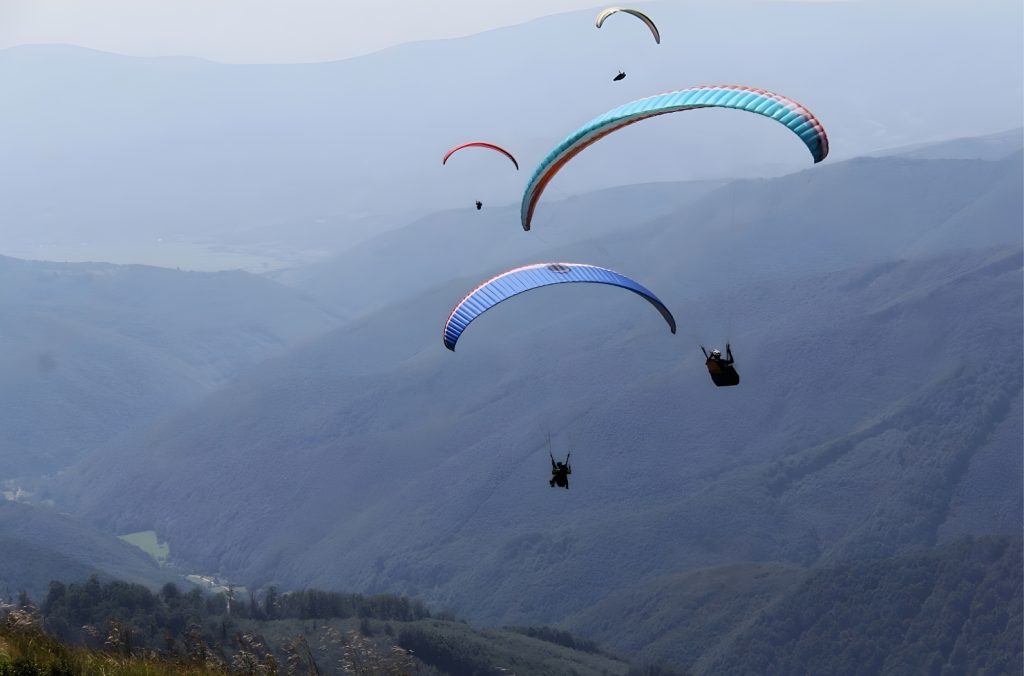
[
  {"x": 560, "y": 471},
  {"x": 722, "y": 371}
]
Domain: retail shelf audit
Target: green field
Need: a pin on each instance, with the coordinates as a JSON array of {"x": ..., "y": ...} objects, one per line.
[{"x": 147, "y": 541}]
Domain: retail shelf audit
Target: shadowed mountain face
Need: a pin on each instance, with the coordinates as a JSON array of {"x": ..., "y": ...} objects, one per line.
[
  {"x": 955, "y": 608},
  {"x": 89, "y": 351},
  {"x": 284, "y": 162},
  {"x": 879, "y": 408}
]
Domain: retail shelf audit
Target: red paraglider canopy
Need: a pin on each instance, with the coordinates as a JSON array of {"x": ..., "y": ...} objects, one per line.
[{"x": 479, "y": 144}]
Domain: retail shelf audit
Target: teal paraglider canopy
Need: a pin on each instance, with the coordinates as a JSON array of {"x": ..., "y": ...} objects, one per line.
[{"x": 794, "y": 116}]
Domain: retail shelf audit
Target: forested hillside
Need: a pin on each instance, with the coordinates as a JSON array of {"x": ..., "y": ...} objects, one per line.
[
  {"x": 305, "y": 632},
  {"x": 953, "y": 609}
]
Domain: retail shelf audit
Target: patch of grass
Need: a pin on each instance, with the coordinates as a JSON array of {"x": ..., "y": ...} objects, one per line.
[{"x": 147, "y": 541}]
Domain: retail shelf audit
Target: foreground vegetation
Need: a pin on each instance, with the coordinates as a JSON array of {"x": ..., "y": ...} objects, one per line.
[
  {"x": 951, "y": 609},
  {"x": 25, "y": 651},
  {"x": 120, "y": 628}
]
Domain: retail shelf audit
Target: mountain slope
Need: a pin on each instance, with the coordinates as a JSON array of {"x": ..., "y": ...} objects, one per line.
[
  {"x": 38, "y": 545},
  {"x": 689, "y": 618},
  {"x": 956, "y": 607},
  {"x": 457, "y": 244},
  {"x": 955, "y": 610},
  {"x": 89, "y": 351},
  {"x": 705, "y": 235},
  {"x": 376, "y": 457},
  {"x": 355, "y": 471}
]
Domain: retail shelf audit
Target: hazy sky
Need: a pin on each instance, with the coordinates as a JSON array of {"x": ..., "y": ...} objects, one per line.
[{"x": 259, "y": 30}]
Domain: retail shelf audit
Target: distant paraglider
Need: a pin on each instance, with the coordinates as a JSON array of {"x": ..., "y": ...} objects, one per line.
[
  {"x": 480, "y": 144},
  {"x": 560, "y": 471},
  {"x": 605, "y": 13},
  {"x": 722, "y": 371},
  {"x": 798, "y": 119},
  {"x": 516, "y": 281},
  {"x": 620, "y": 76}
]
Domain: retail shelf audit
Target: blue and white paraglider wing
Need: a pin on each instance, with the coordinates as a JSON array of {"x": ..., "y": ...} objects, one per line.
[{"x": 516, "y": 281}]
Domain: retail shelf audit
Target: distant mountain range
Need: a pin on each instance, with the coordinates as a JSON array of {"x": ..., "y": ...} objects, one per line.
[
  {"x": 120, "y": 156},
  {"x": 991, "y": 147},
  {"x": 826, "y": 218},
  {"x": 875, "y": 307}
]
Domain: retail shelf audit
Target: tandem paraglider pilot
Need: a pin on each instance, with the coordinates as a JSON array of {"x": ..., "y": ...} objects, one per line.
[
  {"x": 560, "y": 472},
  {"x": 722, "y": 371}
]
